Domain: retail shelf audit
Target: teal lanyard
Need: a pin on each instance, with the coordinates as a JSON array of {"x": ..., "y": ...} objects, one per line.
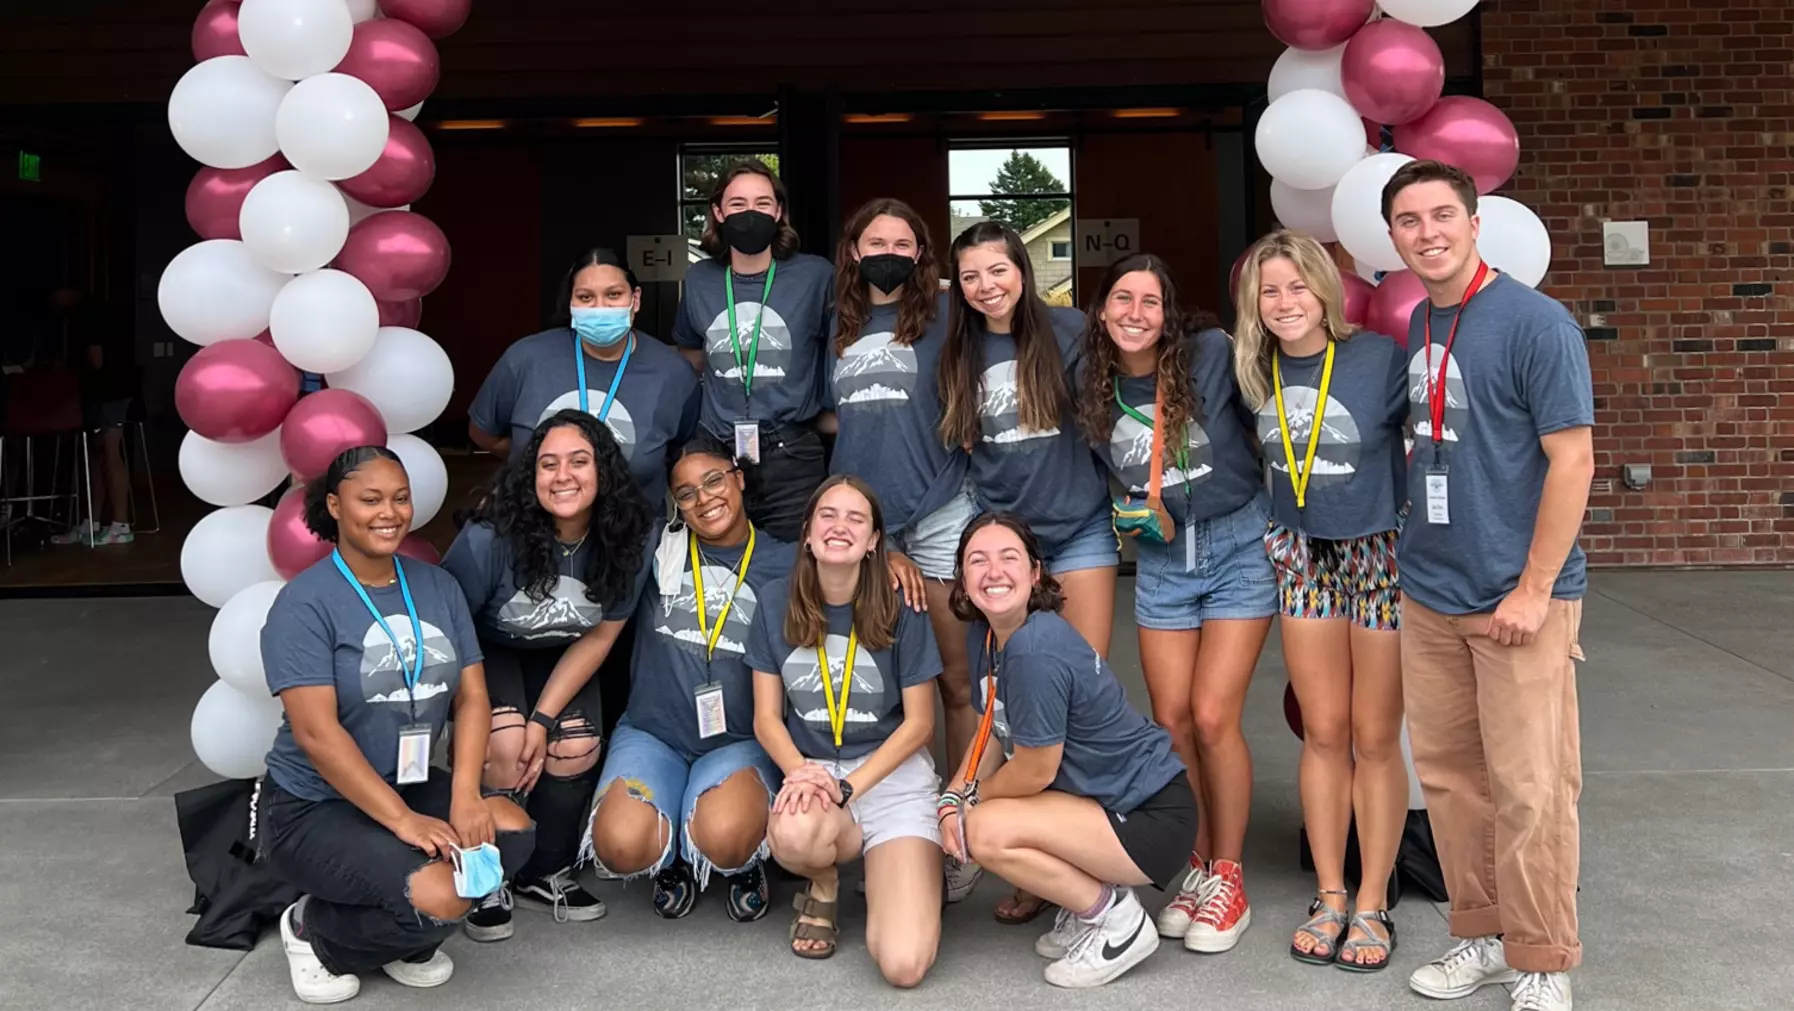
[
  {"x": 579, "y": 363},
  {"x": 415, "y": 669},
  {"x": 753, "y": 355}
]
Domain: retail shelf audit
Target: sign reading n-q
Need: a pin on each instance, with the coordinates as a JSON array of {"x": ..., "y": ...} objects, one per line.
[{"x": 1102, "y": 241}]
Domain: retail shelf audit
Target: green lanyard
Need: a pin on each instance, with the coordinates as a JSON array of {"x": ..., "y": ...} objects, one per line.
[{"x": 753, "y": 355}]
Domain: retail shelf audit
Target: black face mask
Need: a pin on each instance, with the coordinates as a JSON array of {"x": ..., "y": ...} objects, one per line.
[
  {"x": 887, "y": 271},
  {"x": 748, "y": 232}
]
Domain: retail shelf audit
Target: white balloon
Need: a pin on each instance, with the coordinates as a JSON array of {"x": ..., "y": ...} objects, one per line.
[
  {"x": 332, "y": 126},
  {"x": 406, "y": 375},
  {"x": 235, "y": 642},
  {"x": 1427, "y": 13},
  {"x": 231, "y": 473},
  {"x": 427, "y": 473},
  {"x": 1358, "y": 211},
  {"x": 324, "y": 321},
  {"x": 359, "y": 212},
  {"x": 364, "y": 10},
  {"x": 411, "y": 113},
  {"x": 1299, "y": 69},
  {"x": 294, "y": 223},
  {"x": 1309, "y": 211},
  {"x": 232, "y": 732},
  {"x": 226, "y": 551},
  {"x": 1513, "y": 240},
  {"x": 214, "y": 290},
  {"x": 222, "y": 112},
  {"x": 295, "y": 39},
  {"x": 1309, "y": 138}
]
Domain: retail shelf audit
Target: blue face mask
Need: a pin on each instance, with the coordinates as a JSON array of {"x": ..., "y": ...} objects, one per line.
[
  {"x": 478, "y": 872},
  {"x": 602, "y": 326}
]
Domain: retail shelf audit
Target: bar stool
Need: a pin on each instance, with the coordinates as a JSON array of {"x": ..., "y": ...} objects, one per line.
[{"x": 40, "y": 405}]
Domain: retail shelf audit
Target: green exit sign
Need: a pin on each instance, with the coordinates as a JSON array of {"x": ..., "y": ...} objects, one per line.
[{"x": 31, "y": 167}]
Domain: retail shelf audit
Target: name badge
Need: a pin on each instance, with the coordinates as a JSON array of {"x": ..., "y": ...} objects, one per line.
[
  {"x": 1438, "y": 502},
  {"x": 711, "y": 718},
  {"x": 414, "y": 754},
  {"x": 747, "y": 441}
]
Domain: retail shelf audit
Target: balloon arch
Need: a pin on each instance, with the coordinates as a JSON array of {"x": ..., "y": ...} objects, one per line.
[{"x": 310, "y": 261}]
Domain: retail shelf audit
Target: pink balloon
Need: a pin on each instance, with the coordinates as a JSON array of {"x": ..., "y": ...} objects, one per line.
[
  {"x": 399, "y": 255},
  {"x": 321, "y": 426},
  {"x": 292, "y": 547},
  {"x": 215, "y": 196},
  {"x": 402, "y": 174},
  {"x": 396, "y": 59},
  {"x": 437, "y": 18},
  {"x": 1466, "y": 132},
  {"x": 266, "y": 337},
  {"x": 1393, "y": 72},
  {"x": 235, "y": 391},
  {"x": 215, "y": 31},
  {"x": 408, "y": 313},
  {"x": 1314, "y": 24},
  {"x": 1392, "y": 305},
  {"x": 414, "y": 546},
  {"x": 1358, "y": 293},
  {"x": 1233, "y": 276}
]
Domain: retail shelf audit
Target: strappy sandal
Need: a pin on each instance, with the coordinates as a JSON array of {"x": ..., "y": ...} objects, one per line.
[
  {"x": 1370, "y": 940},
  {"x": 825, "y": 933},
  {"x": 1035, "y": 903},
  {"x": 1321, "y": 916}
]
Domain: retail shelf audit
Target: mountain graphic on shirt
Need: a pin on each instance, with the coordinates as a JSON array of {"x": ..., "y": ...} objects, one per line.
[
  {"x": 619, "y": 421},
  {"x": 999, "y": 410},
  {"x": 1457, "y": 400},
  {"x": 1336, "y": 455},
  {"x": 802, "y": 673},
  {"x": 875, "y": 371},
  {"x": 564, "y": 614},
  {"x": 383, "y": 667},
  {"x": 774, "y": 360},
  {"x": 1130, "y": 449},
  {"x": 677, "y": 617}
]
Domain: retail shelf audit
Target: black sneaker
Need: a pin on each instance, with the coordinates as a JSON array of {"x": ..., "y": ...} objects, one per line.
[
  {"x": 675, "y": 891},
  {"x": 563, "y": 896},
  {"x": 491, "y": 918},
  {"x": 749, "y": 895}
]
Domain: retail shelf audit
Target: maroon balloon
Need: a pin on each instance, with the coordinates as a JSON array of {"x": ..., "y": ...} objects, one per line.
[
  {"x": 266, "y": 337},
  {"x": 404, "y": 172},
  {"x": 399, "y": 255},
  {"x": 1393, "y": 72},
  {"x": 414, "y": 546},
  {"x": 215, "y": 196},
  {"x": 235, "y": 391},
  {"x": 1466, "y": 132},
  {"x": 396, "y": 59},
  {"x": 1233, "y": 276},
  {"x": 1357, "y": 297},
  {"x": 1373, "y": 134},
  {"x": 1392, "y": 305},
  {"x": 437, "y": 18},
  {"x": 292, "y": 547},
  {"x": 408, "y": 313},
  {"x": 1310, "y": 24},
  {"x": 1292, "y": 710},
  {"x": 322, "y": 425},
  {"x": 215, "y": 31}
]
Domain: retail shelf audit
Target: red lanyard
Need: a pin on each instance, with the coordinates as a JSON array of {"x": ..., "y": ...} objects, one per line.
[{"x": 1435, "y": 387}]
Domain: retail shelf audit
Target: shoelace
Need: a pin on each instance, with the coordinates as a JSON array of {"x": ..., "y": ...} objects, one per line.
[
  {"x": 1215, "y": 907},
  {"x": 1189, "y": 899},
  {"x": 1537, "y": 991},
  {"x": 559, "y": 883},
  {"x": 1089, "y": 939},
  {"x": 500, "y": 899},
  {"x": 1459, "y": 956}
]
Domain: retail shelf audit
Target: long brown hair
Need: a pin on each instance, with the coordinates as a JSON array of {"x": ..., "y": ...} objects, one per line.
[
  {"x": 875, "y": 608},
  {"x": 917, "y": 305},
  {"x": 1177, "y": 352},
  {"x": 783, "y": 244},
  {"x": 1039, "y": 371},
  {"x": 1044, "y": 595},
  {"x": 1256, "y": 345}
]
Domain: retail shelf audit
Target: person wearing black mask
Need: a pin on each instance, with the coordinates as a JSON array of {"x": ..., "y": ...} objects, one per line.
[{"x": 753, "y": 321}]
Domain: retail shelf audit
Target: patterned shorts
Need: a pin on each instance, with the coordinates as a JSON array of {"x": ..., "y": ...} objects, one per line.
[{"x": 1354, "y": 578}]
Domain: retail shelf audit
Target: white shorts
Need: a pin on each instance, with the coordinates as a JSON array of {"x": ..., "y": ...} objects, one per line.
[
  {"x": 932, "y": 541},
  {"x": 901, "y": 806}
]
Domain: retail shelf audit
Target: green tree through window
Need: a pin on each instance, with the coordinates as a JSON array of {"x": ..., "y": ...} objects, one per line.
[{"x": 1023, "y": 173}]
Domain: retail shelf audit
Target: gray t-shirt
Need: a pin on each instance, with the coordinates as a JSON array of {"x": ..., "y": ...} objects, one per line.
[
  {"x": 875, "y": 702},
  {"x": 320, "y": 633},
  {"x": 1052, "y": 688},
  {"x": 887, "y": 398},
  {"x": 1518, "y": 371},
  {"x": 785, "y": 388},
  {"x": 483, "y": 564},
  {"x": 1223, "y": 471},
  {"x": 655, "y": 412},
  {"x": 1360, "y": 473},
  {"x": 669, "y": 661},
  {"x": 1051, "y": 478}
]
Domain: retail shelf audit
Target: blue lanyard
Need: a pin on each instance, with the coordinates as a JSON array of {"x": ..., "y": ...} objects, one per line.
[
  {"x": 416, "y": 668},
  {"x": 579, "y": 362}
]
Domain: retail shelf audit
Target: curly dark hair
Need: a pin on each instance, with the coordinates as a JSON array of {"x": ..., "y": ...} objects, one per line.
[
  {"x": 1045, "y": 594},
  {"x": 317, "y": 494},
  {"x": 1176, "y": 355},
  {"x": 619, "y": 521}
]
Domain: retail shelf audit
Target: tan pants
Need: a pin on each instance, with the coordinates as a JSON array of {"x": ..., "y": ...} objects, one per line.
[{"x": 1499, "y": 754}]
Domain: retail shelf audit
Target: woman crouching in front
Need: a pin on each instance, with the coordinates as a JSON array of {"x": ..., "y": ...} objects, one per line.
[
  {"x": 844, "y": 703},
  {"x": 1091, "y": 801},
  {"x": 369, "y": 657}
]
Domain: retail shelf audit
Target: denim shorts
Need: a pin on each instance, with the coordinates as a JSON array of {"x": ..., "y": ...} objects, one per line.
[
  {"x": 1230, "y": 578},
  {"x": 932, "y": 541},
  {"x": 1092, "y": 546},
  {"x": 656, "y": 773}
]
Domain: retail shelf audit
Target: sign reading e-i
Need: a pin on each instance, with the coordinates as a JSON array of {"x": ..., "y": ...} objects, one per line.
[
  {"x": 31, "y": 167},
  {"x": 658, "y": 257}
]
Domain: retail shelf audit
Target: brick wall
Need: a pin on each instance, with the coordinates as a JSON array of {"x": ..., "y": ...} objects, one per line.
[{"x": 1680, "y": 113}]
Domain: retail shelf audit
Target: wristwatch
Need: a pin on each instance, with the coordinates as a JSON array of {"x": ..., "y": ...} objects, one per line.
[
  {"x": 544, "y": 721},
  {"x": 846, "y": 791}
]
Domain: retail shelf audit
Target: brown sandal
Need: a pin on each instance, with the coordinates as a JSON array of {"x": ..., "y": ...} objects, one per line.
[
  {"x": 825, "y": 933},
  {"x": 1035, "y": 903}
]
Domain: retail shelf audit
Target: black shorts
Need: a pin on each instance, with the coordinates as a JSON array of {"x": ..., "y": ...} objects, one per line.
[{"x": 1159, "y": 834}]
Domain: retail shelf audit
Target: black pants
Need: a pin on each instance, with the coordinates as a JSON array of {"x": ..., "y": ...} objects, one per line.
[
  {"x": 358, "y": 874},
  {"x": 780, "y": 485}
]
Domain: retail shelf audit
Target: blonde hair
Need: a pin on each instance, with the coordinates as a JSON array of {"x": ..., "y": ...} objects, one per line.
[{"x": 1254, "y": 343}]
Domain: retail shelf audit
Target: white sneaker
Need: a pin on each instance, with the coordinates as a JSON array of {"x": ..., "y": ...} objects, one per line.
[
  {"x": 961, "y": 879},
  {"x": 1195, "y": 889},
  {"x": 1464, "y": 969},
  {"x": 313, "y": 983},
  {"x": 1058, "y": 942},
  {"x": 1122, "y": 939},
  {"x": 422, "y": 975},
  {"x": 1542, "y": 991}
]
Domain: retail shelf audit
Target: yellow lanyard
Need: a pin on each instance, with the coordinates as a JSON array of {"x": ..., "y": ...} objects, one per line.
[
  {"x": 1298, "y": 479},
  {"x": 697, "y": 583},
  {"x": 837, "y": 716}
]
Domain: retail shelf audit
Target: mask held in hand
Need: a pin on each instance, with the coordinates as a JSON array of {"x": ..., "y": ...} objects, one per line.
[{"x": 478, "y": 871}]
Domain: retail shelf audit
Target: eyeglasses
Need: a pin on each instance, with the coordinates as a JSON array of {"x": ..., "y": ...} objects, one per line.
[{"x": 712, "y": 484}]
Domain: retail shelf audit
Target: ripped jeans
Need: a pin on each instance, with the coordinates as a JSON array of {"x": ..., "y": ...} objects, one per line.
[{"x": 358, "y": 874}]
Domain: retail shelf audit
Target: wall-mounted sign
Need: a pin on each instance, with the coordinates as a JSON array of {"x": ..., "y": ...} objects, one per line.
[
  {"x": 1102, "y": 241},
  {"x": 658, "y": 257}
]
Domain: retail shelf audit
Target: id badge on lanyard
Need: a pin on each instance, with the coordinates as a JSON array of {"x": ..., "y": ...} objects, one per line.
[{"x": 1438, "y": 473}]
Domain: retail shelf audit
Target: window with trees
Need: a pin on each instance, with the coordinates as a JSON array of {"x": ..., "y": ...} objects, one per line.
[{"x": 1028, "y": 186}]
